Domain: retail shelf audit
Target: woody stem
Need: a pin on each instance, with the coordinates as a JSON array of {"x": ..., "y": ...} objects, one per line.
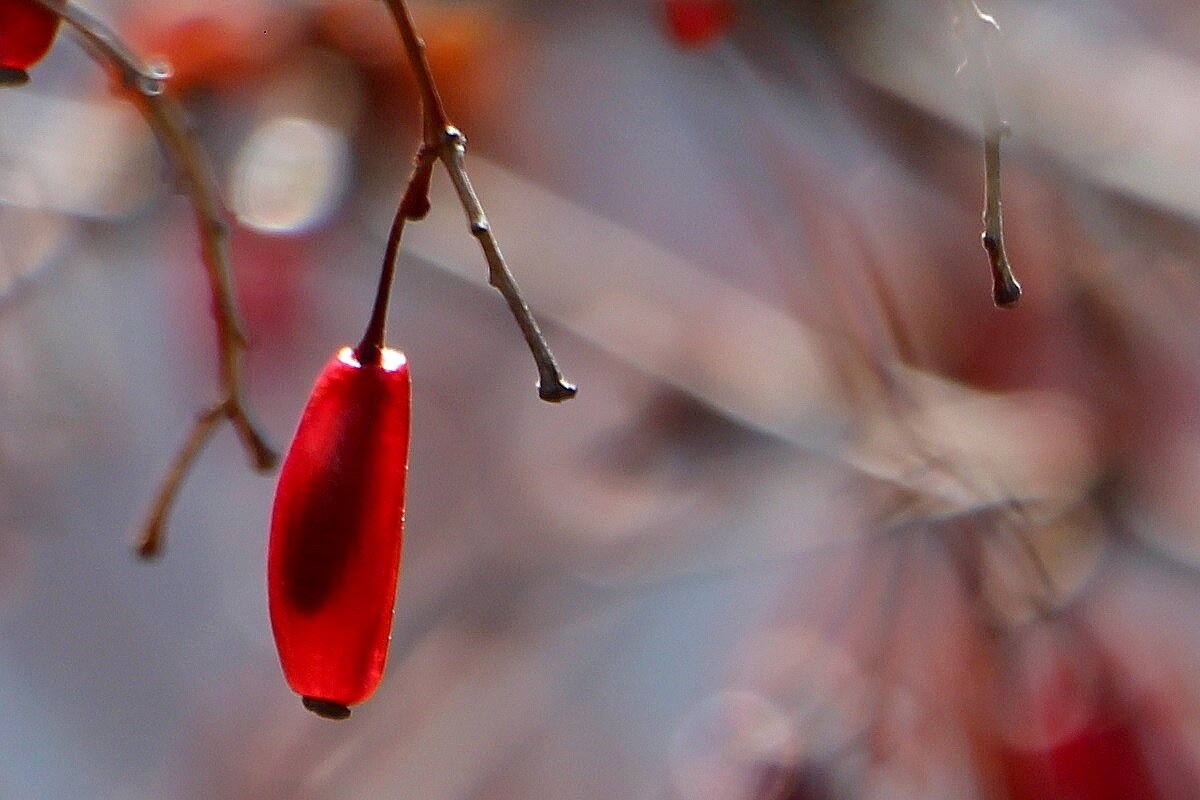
[{"x": 444, "y": 142}]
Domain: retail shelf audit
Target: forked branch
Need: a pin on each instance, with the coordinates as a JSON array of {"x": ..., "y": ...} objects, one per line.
[
  {"x": 447, "y": 144},
  {"x": 147, "y": 86}
]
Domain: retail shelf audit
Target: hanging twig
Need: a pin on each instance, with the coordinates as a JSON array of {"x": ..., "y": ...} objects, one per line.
[
  {"x": 448, "y": 145},
  {"x": 974, "y": 26},
  {"x": 147, "y": 84}
]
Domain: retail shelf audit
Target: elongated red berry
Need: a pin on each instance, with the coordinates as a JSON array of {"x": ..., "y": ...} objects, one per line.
[
  {"x": 26, "y": 32},
  {"x": 336, "y": 529}
]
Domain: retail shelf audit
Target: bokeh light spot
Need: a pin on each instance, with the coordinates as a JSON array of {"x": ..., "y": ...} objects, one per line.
[{"x": 289, "y": 176}]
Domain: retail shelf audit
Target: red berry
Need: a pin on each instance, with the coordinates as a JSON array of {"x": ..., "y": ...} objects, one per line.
[
  {"x": 697, "y": 22},
  {"x": 26, "y": 32},
  {"x": 1067, "y": 730},
  {"x": 1102, "y": 761},
  {"x": 336, "y": 530}
]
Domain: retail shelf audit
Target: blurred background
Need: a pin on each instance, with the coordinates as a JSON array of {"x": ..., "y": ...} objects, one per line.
[{"x": 821, "y": 523}]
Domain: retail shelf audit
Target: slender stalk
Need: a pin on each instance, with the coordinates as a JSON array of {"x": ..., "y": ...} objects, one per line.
[
  {"x": 433, "y": 113},
  {"x": 1006, "y": 291},
  {"x": 151, "y": 538},
  {"x": 162, "y": 112},
  {"x": 448, "y": 144},
  {"x": 414, "y": 205}
]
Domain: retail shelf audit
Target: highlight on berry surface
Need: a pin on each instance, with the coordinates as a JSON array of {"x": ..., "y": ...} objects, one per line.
[
  {"x": 336, "y": 530},
  {"x": 26, "y": 33}
]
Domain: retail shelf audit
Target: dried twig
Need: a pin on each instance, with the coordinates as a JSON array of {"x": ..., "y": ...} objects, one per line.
[
  {"x": 147, "y": 84},
  {"x": 150, "y": 542},
  {"x": 444, "y": 142},
  {"x": 975, "y": 24}
]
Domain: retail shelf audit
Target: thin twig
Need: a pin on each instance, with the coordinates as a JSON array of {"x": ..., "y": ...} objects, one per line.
[
  {"x": 413, "y": 205},
  {"x": 450, "y": 147},
  {"x": 165, "y": 116},
  {"x": 975, "y": 25},
  {"x": 151, "y": 538}
]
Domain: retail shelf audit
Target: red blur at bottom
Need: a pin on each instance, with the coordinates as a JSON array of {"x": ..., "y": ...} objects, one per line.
[
  {"x": 1068, "y": 730},
  {"x": 1104, "y": 761},
  {"x": 336, "y": 530}
]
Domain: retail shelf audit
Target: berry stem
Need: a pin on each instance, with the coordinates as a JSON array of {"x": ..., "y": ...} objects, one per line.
[{"x": 413, "y": 205}]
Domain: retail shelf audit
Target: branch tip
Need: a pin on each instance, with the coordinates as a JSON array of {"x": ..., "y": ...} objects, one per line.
[
  {"x": 262, "y": 456},
  {"x": 150, "y": 545},
  {"x": 557, "y": 392}
]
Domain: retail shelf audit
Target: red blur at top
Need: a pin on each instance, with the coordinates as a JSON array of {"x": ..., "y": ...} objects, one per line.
[
  {"x": 26, "y": 32},
  {"x": 693, "y": 23},
  {"x": 336, "y": 530}
]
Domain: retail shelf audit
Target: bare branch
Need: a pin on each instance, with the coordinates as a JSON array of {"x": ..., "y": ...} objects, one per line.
[
  {"x": 151, "y": 539},
  {"x": 165, "y": 116},
  {"x": 449, "y": 145},
  {"x": 975, "y": 25}
]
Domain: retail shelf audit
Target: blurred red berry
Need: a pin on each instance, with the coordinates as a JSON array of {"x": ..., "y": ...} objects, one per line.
[
  {"x": 693, "y": 23},
  {"x": 1102, "y": 761},
  {"x": 473, "y": 48},
  {"x": 211, "y": 43},
  {"x": 1068, "y": 733},
  {"x": 336, "y": 531},
  {"x": 26, "y": 32}
]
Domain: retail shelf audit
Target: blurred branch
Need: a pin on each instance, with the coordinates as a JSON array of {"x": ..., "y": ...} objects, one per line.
[
  {"x": 147, "y": 86},
  {"x": 974, "y": 26},
  {"x": 450, "y": 146}
]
